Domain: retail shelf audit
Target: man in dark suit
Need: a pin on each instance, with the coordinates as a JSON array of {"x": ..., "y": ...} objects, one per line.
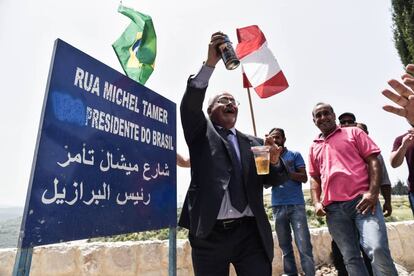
[{"x": 224, "y": 208}]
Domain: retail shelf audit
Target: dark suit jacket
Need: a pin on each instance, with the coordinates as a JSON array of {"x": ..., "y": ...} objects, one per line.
[{"x": 211, "y": 168}]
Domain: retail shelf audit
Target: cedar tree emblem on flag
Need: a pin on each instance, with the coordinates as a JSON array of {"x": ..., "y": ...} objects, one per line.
[{"x": 260, "y": 67}]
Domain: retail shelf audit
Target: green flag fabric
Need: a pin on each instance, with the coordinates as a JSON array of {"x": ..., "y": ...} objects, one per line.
[{"x": 136, "y": 48}]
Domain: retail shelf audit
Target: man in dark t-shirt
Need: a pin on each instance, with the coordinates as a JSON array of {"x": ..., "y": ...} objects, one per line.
[{"x": 404, "y": 147}]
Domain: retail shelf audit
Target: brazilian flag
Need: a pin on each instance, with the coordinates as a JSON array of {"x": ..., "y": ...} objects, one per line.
[{"x": 136, "y": 48}]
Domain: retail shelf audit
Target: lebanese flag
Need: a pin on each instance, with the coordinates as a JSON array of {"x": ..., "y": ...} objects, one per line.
[{"x": 260, "y": 67}]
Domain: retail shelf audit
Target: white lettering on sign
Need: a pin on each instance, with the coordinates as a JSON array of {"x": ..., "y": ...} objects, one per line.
[
  {"x": 155, "y": 112},
  {"x": 86, "y": 81},
  {"x": 112, "y": 124},
  {"x": 120, "y": 97}
]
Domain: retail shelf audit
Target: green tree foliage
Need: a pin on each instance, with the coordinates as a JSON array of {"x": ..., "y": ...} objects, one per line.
[
  {"x": 161, "y": 234},
  {"x": 399, "y": 189},
  {"x": 403, "y": 27}
]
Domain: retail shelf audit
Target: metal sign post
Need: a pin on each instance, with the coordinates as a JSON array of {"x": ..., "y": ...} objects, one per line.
[
  {"x": 172, "y": 252},
  {"x": 24, "y": 260}
]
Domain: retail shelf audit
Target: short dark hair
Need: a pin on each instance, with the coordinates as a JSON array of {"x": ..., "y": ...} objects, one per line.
[
  {"x": 325, "y": 104},
  {"x": 363, "y": 126},
  {"x": 279, "y": 130},
  {"x": 345, "y": 114}
]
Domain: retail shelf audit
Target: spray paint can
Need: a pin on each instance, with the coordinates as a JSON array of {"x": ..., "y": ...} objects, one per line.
[{"x": 228, "y": 55}]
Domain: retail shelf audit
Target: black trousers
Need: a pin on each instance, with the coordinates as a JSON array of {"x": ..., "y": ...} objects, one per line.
[{"x": 237, "y": 242}]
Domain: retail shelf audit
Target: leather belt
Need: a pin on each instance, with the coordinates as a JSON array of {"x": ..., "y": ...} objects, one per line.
[{"x": 228, "y": 224}]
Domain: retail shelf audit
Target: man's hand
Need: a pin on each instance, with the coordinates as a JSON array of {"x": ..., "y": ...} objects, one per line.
[
  {"x": 386, "y": 194},
  {"x": 408, "y": 139},
  {"x": 213, "y": 54},
  {"x": 402, "y": 95},
  {"x": 387, "y": 209},
  {"x": 319, "y": 209},
  {"x": 315, "y": 182},
  {"x": 183, "y": 162},
  {"x": 367, "y": 203},
  {"x": 275, "y": 150}
]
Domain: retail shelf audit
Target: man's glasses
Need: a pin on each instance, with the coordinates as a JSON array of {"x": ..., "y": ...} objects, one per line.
[{"x": 226, "y": 101}]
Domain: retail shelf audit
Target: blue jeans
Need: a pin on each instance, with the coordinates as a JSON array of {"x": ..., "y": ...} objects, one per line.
[
  {"x": 287, "y": 216},
  {"x": 411, "y": 199},
  {"x": 349, "y": 229}
]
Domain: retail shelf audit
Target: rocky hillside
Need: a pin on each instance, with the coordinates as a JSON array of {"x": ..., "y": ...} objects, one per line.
[{"x": 10, "y": 219}]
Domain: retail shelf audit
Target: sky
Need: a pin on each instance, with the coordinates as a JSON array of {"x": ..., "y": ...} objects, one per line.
[{"x": 338, "y": 52}]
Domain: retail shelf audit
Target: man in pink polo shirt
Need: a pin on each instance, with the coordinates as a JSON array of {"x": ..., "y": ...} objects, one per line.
[{"x": 345, "y": 180}]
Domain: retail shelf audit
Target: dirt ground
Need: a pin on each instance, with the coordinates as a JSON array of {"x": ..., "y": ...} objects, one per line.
[{"x": 329, "y": 270}]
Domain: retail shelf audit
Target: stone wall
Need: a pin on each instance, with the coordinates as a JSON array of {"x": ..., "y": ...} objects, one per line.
[{"x": 150, "y": 258}]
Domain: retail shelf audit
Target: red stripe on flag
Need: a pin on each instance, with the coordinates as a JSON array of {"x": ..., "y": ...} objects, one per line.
[
  {"x": 259, "y": 64},
  {"x": 250, "y": 39},
  {"x": 246, "y": 82},
  {"x": 272, "y": 86}
]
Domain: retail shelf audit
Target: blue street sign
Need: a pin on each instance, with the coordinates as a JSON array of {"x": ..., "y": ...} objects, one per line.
[{"x": 105, "y": 159}]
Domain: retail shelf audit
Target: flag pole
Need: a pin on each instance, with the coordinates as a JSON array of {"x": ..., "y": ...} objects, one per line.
[{"x": 251, "y": 111}]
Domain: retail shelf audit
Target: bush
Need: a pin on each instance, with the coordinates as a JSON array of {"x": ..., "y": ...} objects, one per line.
[
  {"x": 161, "y": 234},
  {"x": 401, "y": 211},
  {"x": 400, "y": 188}
]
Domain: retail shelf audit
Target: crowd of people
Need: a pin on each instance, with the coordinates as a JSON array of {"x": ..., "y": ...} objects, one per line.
[{"x": 224, "y": 209}]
